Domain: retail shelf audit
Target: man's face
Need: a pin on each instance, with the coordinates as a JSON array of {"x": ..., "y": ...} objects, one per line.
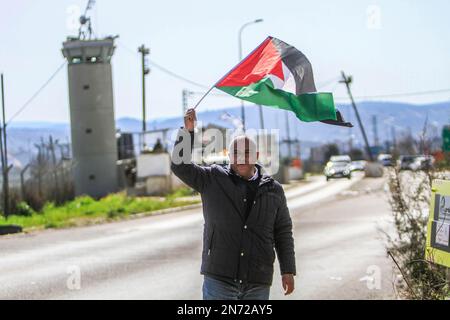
[{"x": 243, "y": 156}]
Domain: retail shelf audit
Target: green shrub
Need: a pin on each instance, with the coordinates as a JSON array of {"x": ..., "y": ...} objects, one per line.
[{"x": 23, "y": 209}]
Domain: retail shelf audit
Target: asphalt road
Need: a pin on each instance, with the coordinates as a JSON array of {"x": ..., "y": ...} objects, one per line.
[{"x": 340, "y": 252}]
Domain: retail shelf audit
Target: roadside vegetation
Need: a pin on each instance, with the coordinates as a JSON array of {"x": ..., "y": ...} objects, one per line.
[
  {"x": 410, "y": 195},
  {"x": 85, "y": 210}
]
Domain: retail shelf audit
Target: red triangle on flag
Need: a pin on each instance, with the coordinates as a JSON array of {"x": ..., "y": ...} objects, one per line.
[{"x": 264, "y": 60}]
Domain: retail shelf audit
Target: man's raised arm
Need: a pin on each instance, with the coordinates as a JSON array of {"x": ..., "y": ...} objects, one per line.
[{"x": 182, "y": 166}]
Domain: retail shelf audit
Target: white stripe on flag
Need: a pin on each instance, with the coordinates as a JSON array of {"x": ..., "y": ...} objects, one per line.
[{"x": 288, "y": 84}]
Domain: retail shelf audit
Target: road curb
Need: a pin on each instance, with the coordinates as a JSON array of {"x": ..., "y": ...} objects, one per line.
[{"x": 163, "y": 211}]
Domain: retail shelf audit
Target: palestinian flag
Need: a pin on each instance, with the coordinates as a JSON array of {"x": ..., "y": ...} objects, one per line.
[{"x": 278, "y": 75}]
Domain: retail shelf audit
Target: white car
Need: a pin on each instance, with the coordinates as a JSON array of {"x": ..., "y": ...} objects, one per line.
[{"x": 338, "y": 167}]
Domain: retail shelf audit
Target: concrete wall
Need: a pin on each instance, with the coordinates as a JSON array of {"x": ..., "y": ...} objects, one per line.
[
  {"x": 153, "y": 169},
  {"x": 153, "y": 164}
]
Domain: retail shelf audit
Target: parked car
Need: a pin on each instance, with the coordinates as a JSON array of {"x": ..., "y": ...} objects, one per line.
[
  {"x": 385, "y": 159},
  {"x": 358, "y": 165},
  {"x": 424, "y": 162},
  {"x": 405, "y": 162},
  {"x": 414, "y": 163},
  {"x": 338, "y": 167}
]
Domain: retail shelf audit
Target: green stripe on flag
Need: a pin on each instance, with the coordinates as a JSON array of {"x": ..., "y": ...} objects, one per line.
[{"x": 307, "y": 107}]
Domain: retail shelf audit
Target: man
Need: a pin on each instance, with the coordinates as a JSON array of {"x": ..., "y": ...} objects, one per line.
[{"x": 246, "y": 217}]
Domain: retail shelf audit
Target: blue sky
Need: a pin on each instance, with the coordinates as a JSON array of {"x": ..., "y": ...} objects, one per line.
[{"x": 388, "y": 47}]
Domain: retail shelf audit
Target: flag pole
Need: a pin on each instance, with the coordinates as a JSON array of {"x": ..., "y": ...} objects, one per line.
[
  {"x": 269, "y": 37},
  {"x": 203, "y": 97}
]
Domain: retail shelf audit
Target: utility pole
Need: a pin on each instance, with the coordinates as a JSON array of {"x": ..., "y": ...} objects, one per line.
[
  {"x": 348, "y": 81},
  {"x": 145, "y": 70},
  {"x": 5, "y": 157}
]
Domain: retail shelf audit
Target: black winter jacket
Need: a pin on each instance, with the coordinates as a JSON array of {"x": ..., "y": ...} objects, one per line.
[{"x": 235, "y": 248}]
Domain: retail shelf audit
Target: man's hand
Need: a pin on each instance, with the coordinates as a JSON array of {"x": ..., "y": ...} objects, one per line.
[
  {"x": 287, "y": 280},
  {"x": 190, "y": 119}
]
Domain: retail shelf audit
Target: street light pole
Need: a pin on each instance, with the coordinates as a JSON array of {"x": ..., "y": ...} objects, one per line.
[{"x": 240, "y": 58}]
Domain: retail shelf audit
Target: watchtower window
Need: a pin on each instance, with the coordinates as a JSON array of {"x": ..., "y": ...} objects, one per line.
[{"x": 94, "y": 59}]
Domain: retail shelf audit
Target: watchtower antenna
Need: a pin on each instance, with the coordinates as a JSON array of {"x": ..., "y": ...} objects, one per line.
[{"x": 85, "y": 30}]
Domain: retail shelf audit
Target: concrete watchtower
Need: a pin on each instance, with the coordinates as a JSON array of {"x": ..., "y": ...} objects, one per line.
[{"x": 93, "y": 132}]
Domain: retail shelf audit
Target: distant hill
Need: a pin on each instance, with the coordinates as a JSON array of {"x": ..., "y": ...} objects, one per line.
[{"x": 400, "y": 116}]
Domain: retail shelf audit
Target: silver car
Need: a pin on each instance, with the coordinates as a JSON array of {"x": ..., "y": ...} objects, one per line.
[{"x": 338, "y": 167}]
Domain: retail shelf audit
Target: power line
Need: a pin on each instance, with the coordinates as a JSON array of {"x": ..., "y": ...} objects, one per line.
[
  {"x": 132, "y": 52},
  {"x": 26, "y": 104},
  {"x": 175, "y": 75},
  {"x": 165, "y": 70},
  {"x": 178, "y": 76}
]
